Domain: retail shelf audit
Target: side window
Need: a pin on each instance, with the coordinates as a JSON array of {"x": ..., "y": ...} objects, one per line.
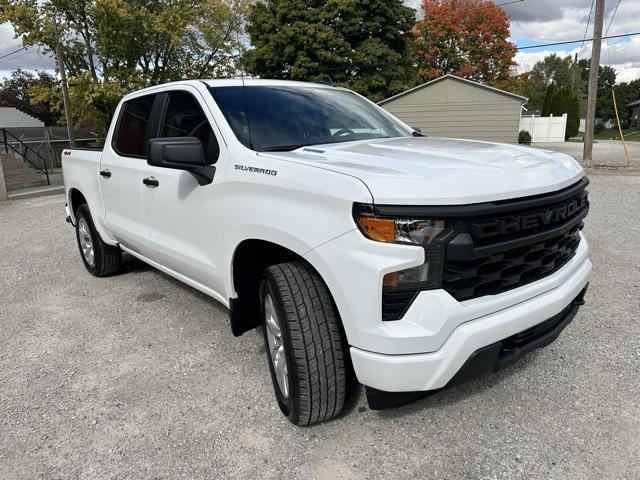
[
  {"x": 133, "y": 125},
  {"x": 184, "y": 118}
]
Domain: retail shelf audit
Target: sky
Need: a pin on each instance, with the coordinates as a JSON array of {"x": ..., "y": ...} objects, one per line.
[{"x": 532, "y": 22}]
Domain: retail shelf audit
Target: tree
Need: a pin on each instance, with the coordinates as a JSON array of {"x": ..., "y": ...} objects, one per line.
[
  {"x": 552, "y": 69},
  {"x": 606, "y": 81},
  {"x": 18, "y": 91},
  {"x": 561, "y": 100},
  {"x": 550, "y": 101},
  {"x": 468, "y": 38},
  {"x": 118, "y": 45},
  {"x": 625, "y": 94},
  {"x": 360, "y": 45}
]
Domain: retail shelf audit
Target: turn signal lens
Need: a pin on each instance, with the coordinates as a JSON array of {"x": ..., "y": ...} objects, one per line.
[
  {"x": 400, "y": 230},
  {"x": 378, "y": 229}
]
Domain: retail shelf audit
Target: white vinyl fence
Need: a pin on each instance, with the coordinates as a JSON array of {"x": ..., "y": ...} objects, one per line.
[{"x": 544, "y": 129}]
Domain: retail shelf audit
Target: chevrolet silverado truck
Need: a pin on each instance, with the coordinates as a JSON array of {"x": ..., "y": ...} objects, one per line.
[{"x": 364, "y": 249}]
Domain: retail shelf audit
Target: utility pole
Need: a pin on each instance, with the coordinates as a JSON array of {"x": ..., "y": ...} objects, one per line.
[
  {"x": 65, "y": 90},
  {"x": 587, "y": 154},
  {"x": 574, "y": 70}
]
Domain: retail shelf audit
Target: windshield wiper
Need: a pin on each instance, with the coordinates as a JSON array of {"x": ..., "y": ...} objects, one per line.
[{"x": 283, "y": 148}]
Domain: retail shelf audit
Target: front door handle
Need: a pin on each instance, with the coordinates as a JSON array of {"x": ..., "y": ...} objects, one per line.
[
  {"x": 105, "y": 173},
  {"x": 151, "y": 182}
]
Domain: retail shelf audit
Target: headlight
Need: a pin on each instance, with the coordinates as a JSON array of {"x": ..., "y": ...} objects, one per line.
[
  {"x": 399, "y": 288},
  {"x": 400, "y": 230}
]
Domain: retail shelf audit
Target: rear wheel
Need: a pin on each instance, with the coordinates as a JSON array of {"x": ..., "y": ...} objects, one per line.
[
  {"x": 304, "y": 344},
  {"x": 99, "y": 258}
]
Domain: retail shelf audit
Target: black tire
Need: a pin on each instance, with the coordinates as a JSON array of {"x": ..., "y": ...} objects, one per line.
[
  {"x": 313, "y": 343},
  {"x": 107, "y": 259}
]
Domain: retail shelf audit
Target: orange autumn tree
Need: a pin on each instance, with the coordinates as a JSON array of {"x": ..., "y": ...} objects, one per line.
[{"x": 467, "y": 38}]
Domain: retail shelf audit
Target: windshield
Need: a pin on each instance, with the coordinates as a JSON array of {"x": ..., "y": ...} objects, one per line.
[{"x": 272, "y": 118}]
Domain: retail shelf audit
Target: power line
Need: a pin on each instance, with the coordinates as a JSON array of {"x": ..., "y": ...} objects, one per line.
[
  {"x": 586, "y": 28},
  {"x": 613, "y": 15},
  {"x": 577, "y": 41},
  {"x": 11, "y": 53},
  {"x": 508, "y": 3},
  {"x": 13, "y": 58}
]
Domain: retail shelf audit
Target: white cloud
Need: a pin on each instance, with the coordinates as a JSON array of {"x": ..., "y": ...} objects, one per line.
[
  {"x": 526, "y": 60},
  {"x": 29, "y": 59},
  {"x": 547, "y": 21}
]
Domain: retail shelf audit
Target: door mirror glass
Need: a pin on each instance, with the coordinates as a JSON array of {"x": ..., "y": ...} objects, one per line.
[{"x": 181, "y": 153}]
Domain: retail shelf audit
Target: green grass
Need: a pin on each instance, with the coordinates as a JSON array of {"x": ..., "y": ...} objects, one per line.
[{"x": 631, "y": 135}]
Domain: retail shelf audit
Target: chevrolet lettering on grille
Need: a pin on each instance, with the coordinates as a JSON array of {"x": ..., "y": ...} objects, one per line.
[{"x": 519, "y": 223}]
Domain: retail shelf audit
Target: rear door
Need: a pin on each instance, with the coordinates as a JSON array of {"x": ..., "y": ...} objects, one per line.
[
  {"x": 121, "y": 173},
  {"x": 183, "y": 218}
]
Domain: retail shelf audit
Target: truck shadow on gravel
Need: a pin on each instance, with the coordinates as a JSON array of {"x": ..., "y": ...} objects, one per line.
[
  {"x": 355, "y": 393},
  {"x": 451, "y": 395}
]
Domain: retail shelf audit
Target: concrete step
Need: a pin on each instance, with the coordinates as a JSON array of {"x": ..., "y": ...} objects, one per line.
[
  {"x": 30, "y": 178},
  {"x": 27, "y": 177},
  {"x": 23, "y": 173},
  {"x": 21, "y": 185},
  {"x": 14, "y": 182},
  {"x": 35, "y": 192},
  {"x": 20, "y": 173},
  {"x": 12, "y": 163}
]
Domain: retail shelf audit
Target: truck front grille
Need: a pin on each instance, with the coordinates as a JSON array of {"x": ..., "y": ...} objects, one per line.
[
  {"x": 525, "y": 241},
  {"x": 511, "y": 268}
]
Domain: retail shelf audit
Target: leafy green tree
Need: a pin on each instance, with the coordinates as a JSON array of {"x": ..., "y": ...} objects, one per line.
[
  {"x": 112, "y": 46},
  {"x": 18, "y": 91},
  {"x": 561, "y": 100},
  {"x": 360, "y": 45},
  {"x": 625, "y": 94},
  {"x": 562, "y": 72},
  {"x": 550, "y": 101},
  {"x": 606, "y": 81}
]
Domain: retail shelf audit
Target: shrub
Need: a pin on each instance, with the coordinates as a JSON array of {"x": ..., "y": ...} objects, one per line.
[
  {"x": 598, "y": 128},
  {"x": 572, "y": 105},
  {"x": 524, "y": 137}
]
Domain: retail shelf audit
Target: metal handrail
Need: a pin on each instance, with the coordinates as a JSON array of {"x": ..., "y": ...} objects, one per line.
[{"x": 26, "y": 147}]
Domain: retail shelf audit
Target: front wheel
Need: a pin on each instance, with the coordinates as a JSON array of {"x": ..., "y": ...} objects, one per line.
[
  {"x": 99, "y": 258},
  {"x": 304, "y": 344}
]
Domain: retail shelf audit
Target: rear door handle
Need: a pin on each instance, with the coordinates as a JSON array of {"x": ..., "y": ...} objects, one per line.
[
  {"x": 105, "y": 173},
  {"x": 151, "y": 182}
]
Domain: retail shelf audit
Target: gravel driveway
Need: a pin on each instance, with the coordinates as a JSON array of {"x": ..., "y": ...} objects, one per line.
[
  {"x": 606, "y": 153},
  {"x": 137, "y": 376}
]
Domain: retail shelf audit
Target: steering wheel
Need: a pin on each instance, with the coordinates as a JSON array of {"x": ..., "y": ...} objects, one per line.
[
  {"x": 195, "y": 129},
  {"x": 343, "y": 132}
]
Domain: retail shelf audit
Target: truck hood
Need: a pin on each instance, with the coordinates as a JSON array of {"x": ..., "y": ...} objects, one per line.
[{"x": 442, "y": 171}]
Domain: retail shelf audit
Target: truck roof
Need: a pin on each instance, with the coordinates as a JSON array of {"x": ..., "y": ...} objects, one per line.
[{"x": 231, "y": 82}]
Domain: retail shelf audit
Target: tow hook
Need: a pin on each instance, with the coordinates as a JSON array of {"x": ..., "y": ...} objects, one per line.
[{"x": 579, "y": 300}]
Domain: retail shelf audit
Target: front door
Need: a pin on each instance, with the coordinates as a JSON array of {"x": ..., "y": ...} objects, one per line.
[
  {"x": 183, "y": 218},
  {"x": 121, "y": 173}
]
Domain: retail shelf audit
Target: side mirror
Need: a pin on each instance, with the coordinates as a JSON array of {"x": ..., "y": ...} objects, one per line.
[{"x": 181, "y": 153}]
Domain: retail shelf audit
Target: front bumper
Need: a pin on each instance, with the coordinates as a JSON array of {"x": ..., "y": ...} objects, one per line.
[
  {"x": 491, "y": 358},
  {"x": 434, "y": 370}
]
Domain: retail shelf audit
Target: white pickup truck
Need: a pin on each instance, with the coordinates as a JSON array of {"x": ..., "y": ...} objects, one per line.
[{"x": 360, "y": 245}]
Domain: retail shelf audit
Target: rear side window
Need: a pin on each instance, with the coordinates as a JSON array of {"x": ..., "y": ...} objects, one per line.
[
  {"x": 184, "y": 118},
  {"x": 133, "y": 126}
]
